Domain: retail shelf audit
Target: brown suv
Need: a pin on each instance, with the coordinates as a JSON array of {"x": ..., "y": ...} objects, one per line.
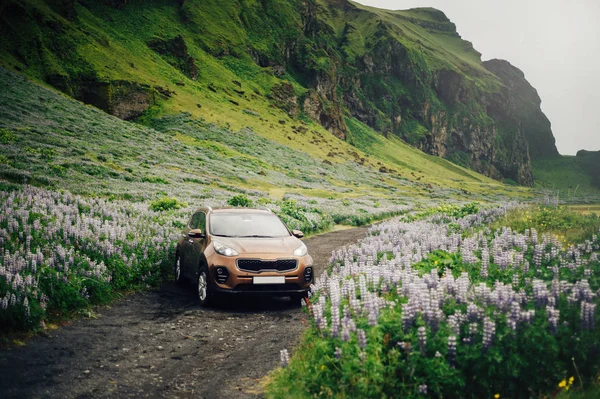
[{"x": 242, "y": 251}]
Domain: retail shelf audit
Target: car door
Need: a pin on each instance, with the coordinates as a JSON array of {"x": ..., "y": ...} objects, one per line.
[
  {"x": 197, "y": 245},
  {"x": 187, "y": 244}
]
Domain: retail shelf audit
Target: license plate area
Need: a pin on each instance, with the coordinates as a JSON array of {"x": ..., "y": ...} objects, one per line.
[{"x": 269, "y": 280}]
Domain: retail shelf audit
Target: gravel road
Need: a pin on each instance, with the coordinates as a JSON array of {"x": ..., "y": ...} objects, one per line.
[{"x": 163, "y": 344}]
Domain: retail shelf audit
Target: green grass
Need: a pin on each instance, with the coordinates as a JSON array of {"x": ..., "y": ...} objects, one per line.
[
  {"x": 570, "y": 225},
  {"x": 566, "y": 176}
]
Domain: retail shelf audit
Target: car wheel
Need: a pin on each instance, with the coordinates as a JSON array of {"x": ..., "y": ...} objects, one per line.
[
  {"x": 177, "y": 270},
  {"x": 204, "y": 294}
]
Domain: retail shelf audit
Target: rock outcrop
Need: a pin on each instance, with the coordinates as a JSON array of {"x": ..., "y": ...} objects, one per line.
[
  {"x": 520, "y": 105},
  {"x": 482, "y": 115},
  {"x": 175, "y": 52},
  {"x": 284, "y": 97}
]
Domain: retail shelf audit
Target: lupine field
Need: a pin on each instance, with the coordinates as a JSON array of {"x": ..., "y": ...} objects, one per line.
[
  {"x": 454, "y": 304},
  {"x": 61, "y": 252}
]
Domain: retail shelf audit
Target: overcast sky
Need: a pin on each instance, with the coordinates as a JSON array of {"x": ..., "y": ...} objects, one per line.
[{"x": 556, "y": 43}]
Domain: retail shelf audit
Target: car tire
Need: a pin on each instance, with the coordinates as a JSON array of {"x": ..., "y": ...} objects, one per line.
[
  {"x": 202, "y": 288},
  {"x": 177, "y": 271},
  {"x": 297, "y": 299}
]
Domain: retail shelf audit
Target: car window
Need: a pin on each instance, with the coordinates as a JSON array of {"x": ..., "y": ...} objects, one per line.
[
  {"x": 198, "y": 221},
  {"x": 237, "y": 224}
]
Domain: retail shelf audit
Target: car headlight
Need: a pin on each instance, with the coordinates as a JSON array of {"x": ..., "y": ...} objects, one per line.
[
  {"x": 301, "y": 250},
  {"x": 223, "y": 250}
]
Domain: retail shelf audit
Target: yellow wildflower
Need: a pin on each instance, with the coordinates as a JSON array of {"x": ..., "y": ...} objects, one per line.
[
  {"x": 571, "y": 380},
  {"x": 562, "y": 384},
  {"x": 496, "y": 396},
  {"x": 323, "y": 367}
]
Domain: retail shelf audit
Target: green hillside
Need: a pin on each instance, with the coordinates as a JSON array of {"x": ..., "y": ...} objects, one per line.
[
  {"x": 274, "y": 66},
  {"x": 572, "y": 178},
  {"x": 51, "y": 140}
]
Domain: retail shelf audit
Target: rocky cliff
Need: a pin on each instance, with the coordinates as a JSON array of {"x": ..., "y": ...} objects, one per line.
[
  {"x": 404, "y": 73},
  {"x": 518, "y": 104}
]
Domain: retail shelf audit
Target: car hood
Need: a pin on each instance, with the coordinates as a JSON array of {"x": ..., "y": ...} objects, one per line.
[{"x": 279, "y": 245}]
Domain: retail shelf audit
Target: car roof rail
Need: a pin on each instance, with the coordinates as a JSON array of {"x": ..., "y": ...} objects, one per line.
[
  {"x": 209, "y": 208},
  {"x": 265, "y": 208}
]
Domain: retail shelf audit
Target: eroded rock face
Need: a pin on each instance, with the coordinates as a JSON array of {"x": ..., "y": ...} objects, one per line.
[
  {"x": 175, "y": 52},
  {"x": 123, "y": 99},
  {"x": 394, "y": 89},
  {"x": 327, "y": 115},
  {"x": 519, "y": 103},
  {"x": 507, "y": 159},
  {"x": 284, "y": 97}
]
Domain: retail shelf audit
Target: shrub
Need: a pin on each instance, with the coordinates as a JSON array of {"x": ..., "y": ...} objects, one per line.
[
  {"x": 240, "y": 200},
  {"x": 166, "y": 203},
  {"x": 154, "y": 179},
  {"x": 7, "y": 137}
]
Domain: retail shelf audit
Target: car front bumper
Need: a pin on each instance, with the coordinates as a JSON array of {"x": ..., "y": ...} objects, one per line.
[{"x": 242, "y": 282}]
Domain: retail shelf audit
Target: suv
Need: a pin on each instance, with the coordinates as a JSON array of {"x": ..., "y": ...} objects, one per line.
[{"x": 242, "y": 251}]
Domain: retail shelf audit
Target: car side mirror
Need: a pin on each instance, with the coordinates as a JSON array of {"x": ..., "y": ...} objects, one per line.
[
  {"x": 297, "y": 233},
  {"x": 196, "y": 233}
]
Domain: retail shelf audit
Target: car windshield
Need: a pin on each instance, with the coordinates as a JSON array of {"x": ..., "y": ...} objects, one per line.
[{"x": 236, "y": 224}]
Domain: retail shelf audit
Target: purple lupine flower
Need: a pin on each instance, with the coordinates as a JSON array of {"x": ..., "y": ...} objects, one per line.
[
  {"x": 451, "y": 347},
  {"x": 553, "y": 316},
  {"x": 285, "y": 358},
  {"x": 338, "y": 353},
  {"x": 538, "y": 254},
  {"x": 422, "y": 335},
  {"x": 362, "y": 338},
  {"x": 587, "y": 315},
  {"x": 489, "y": 329},
  {"x": 485, "y": 262},
  {"x": 514, "y": 316},
  {"x": 473, "y": 328},
  {"x": 540, "y": 293},
  {"x": 345, "y": 334}
]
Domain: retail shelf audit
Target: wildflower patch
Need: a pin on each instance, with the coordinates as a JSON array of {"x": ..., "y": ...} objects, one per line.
[{"x": 457, "y": 310}]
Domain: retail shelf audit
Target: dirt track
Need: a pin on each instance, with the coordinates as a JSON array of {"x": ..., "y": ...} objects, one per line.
[{"x": 163, "y": 344}]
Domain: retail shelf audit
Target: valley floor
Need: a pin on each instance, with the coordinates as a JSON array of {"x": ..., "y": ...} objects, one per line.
[{"x": 163, "y": 344}]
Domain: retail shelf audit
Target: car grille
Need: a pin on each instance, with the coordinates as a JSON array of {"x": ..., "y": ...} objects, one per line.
[{"x": 256, "y": 265}]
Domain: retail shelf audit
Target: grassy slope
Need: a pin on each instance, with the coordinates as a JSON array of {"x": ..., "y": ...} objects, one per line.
[
  {"x": 441, "y": 49},
  {"x": 566, "y": 177},
  {"x": 113, "y": 45},
  {"x": 50, "y": 139}
]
